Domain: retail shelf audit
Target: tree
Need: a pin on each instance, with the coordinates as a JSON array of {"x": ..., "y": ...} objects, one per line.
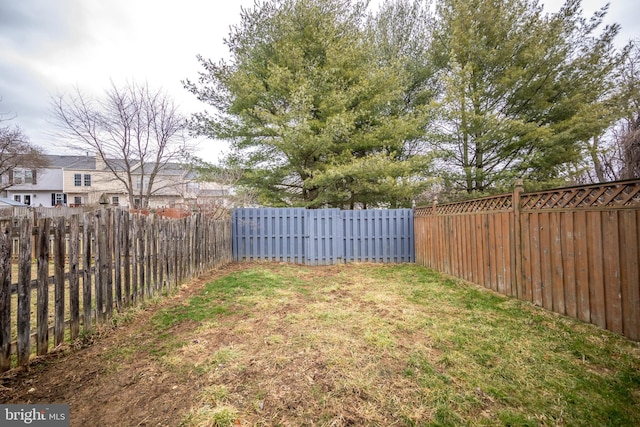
[
  {"x": 16, "y": 152},
  {"x": 136, "y": 131},
  {"x": 615, "y": 154},
  {"x": 312, "y": 114},
  {"x": 522, "y": 90}
]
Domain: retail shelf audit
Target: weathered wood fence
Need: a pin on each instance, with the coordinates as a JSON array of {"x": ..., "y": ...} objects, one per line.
[
  {"x": 574, "y": 251},
  {"x": 103, "y": 260}
]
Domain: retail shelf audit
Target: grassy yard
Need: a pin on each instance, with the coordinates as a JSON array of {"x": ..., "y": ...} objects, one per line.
[{"x": 386, "y": 345}]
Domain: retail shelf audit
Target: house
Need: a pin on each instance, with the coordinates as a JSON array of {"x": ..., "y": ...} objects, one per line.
[{"x": 71, "y": 180}]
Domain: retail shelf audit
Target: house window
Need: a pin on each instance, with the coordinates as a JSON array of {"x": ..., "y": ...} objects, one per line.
[
  {"x": 139, "y": 183},
  {"x": 77, "y": 200},
  {"x": 87, "y": 180},
  {"x": 115, "y": 201},
  {"x": 193, "y": 187},
  {"x": 58, "y": 199},
  {"x": 18, "y": 176},
  {"x": 22, "y": 176},
  {"x": 27, "y": 199},
  {"x": 77, "y": 180},
  {"x": 17, "y": 198}
]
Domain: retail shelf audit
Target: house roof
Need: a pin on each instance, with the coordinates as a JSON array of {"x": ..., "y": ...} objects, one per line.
[
  {"x": 72, "y": 162},
  {"x": 8, "y": 202}
]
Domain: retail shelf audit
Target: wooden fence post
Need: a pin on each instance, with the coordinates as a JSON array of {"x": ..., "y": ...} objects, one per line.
[
  {"x": 24, "y": 292},
  {"x": 518, "y": 275},
  {"x": 43, "y": 247},
  {"x": 5, "y": 295}
]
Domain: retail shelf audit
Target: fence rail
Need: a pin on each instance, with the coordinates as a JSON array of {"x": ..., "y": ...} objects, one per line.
[
  {"x": 101, "y": 261},
  {"x": 574, "y": 251}
]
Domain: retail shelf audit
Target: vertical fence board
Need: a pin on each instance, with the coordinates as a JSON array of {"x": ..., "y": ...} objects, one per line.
[
  {"x": 87, "y": 251},
  {"x": 611, "y": 245},
  {"x": 583, "y": 306},
  {"x": 630, "y": 274},
  {"x": 5, "y": 295},
  {"x": 74, "y": 277},
  {"x": 526, "y": 258},
  {"x": 117, "y": 258},
  {"x": 24, "y": 292},
  {"x": 569, "y": 277},
  {"x": 546, "y": 261},
  {"x": 59, "y": 254},
  {"x": 596, "y": 272},
  {"x": 42, "y": 293},
  {"x": 557, "y": 274}
]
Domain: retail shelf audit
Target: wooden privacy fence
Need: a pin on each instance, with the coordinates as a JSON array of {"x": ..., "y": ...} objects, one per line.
[
  {"x": 322, "y": 236},
  {"x": 574, "y": 251},
  {"x": 101, "y": 260}
]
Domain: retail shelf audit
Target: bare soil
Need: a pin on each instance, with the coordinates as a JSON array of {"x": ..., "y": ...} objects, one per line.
[{"x": 142, "y": 393}]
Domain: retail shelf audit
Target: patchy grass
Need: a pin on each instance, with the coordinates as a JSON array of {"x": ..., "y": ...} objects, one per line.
[{"x": 388, "y": 345}]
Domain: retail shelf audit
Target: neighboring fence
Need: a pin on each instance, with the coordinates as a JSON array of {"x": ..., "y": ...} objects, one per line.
[
  {"x": 39, "y": 212},
  {"x": 322, "y": 236},
  {"x": 101, "y": 260},
  {"x": 575, "y": 251}
]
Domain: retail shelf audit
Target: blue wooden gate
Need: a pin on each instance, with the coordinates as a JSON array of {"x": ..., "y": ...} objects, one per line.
[{"x": 322, "y": 236}]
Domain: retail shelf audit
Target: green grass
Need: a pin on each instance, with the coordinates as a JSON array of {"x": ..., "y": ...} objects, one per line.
[{"x": 390, "y": 344}]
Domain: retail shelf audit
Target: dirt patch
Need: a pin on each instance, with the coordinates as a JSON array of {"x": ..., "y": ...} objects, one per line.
[{"x": 101, "y": 391}]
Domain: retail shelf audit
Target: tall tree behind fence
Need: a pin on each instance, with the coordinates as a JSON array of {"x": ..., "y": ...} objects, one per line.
[
  {"x": 322, "y": 236},
  {"x": 574, "y": 251},
  {"x": 101, "y": 261}
]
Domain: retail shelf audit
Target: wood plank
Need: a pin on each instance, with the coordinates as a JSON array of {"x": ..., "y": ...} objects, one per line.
[
  {"x": 493, "y": 252},
  {"x": 469, "y": 245},
  {"x": 42, "y": 254},
  {"x": 98, "y": 253},
  {"x": 596, "y": 270},
  {"x": 117, "y": 258},
  {"x": 5, "y": 295},
  {"x": 613, "y": 297},
  {"x": 108, "y": 264},
  {"x": 536, "y": 260},
  {"x": 24, "y": 293},
  {"x": 525, "y": 238},
  {"x": 126, "y": 258},
  {"x": 87, "y": 253},
  {"x": 630, "y": 273},
  {"x": 479, "y": 249},
  {"x": 546, "y": 266},
  {"x": 74, "y": 277},
  {"x": 59, "y": 254},
  {"x": 557, "y": 274},
  {"x": 154, "y": 255},
  {"x": 581, "y": 241},
  {"x": 486, "y": 250},
  {"x": 568, "y": 249},
  {"x": 507, "y": 226},
  {"x": 134, "y": 258}
]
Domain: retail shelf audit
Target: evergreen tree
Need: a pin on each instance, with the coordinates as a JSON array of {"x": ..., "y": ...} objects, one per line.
[
  {"x": 312, "y": 114},
  {"x": 522, "y": 89}
]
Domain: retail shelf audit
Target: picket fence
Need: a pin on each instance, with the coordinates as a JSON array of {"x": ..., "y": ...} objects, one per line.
[
  {"x": 322, "y": 236},
  {"x": 102, "y": 261}
]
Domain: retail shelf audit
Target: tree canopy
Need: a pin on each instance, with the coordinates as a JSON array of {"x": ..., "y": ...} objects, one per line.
[
  {"x": 312, "y": 115},
  {"x": 328, "y": 104}
]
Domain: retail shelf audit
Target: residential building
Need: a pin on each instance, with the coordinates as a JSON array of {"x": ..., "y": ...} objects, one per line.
[{"x": 86, "y": 180}]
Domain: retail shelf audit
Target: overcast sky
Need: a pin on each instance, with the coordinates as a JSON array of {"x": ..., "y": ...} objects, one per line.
[{"x": 49, "y": 46}]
